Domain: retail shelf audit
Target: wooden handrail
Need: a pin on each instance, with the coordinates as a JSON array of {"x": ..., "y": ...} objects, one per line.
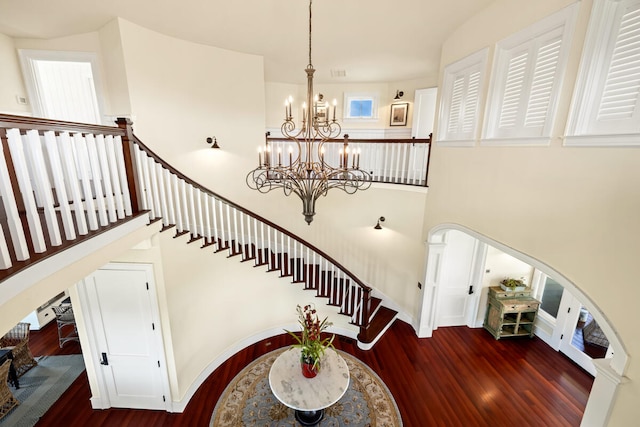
[
  {"x": 173, "y": 170},
  {"x": 367, "y": 140},
  {"x": 28, "y": 123},
  {"x": 131, "y": 181}
]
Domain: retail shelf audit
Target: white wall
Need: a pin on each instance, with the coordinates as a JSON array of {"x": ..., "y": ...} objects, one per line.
[
  {"x": 574, "y": 209},
  {"x": 499, "y": 266},
  {"x": 11, "y": 84}
]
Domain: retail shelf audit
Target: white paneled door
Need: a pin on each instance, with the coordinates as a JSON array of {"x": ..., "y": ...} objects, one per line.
[
  {"x": 127, "y": 336},
  {"x": 456, "y": 287}
]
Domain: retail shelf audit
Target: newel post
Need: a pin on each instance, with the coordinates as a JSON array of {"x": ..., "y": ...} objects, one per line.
[
  {"x": 129, "y": 162},
  {"x": 366, "y": 307}
]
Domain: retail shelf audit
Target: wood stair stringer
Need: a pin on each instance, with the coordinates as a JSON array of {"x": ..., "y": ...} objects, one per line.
[{"x": 381, "y": 320}]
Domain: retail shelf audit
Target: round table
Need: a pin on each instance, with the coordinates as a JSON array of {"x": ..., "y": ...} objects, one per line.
[{"x": 308, "y": 396}]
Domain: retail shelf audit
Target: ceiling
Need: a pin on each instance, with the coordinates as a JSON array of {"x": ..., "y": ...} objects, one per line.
[{"x": 370, "y": 40}]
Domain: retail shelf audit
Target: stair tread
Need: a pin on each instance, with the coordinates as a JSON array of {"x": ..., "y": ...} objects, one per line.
[{"x": 383, "y": 317}]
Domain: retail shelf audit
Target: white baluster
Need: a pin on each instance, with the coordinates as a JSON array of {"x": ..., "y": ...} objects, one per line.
[
  {"x": 59, "y": 184},
  {"x": 223, "y": 235},
  {"x": 177, "y": 199},
  {"x": 41, "y": 181},
  {"x": 5, "y": 259},
  {"x": 122, "y": 175},
  {"x": 155, "y": 194},
  {"x": 207, "y": 219},
  {"x": 185, "y": 205},
  {"x": 199, "y": 209},
  {"x": 230, "y": 235},
  {"x": 262, "y": 245},
  {"x": 82, "y": 162},
  {"x": 171, "y": 213},
  {"x": 96, "y": 177},
  {"x": 162, "y": 194},
  {"x": 11, "y": 210},
  {"x": 192, "y": 212},
  {"x": 254, "y": 239},
  {"x": 105, "y": 174},
  {"x": 114, "y": 173},
  {"x": 141, "y": 167},
  {"x": 423, "y": 166},
  {"x": 24, "y": 182},
  {"x": 404, "y": 177},
  {"x": 243, "y": 241},
  {"x": 146, "y": 179},
  {"x": 72, "y": 182},
  {"x": 214, "y": 214}
]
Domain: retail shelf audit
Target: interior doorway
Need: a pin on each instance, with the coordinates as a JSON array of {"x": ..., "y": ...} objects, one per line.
[
  {"x": 609, "y": 371},
  {"x": 124, "y": 332}
]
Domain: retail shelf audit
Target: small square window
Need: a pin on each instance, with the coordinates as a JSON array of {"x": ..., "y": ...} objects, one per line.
[{"x": 361, "y": 106}]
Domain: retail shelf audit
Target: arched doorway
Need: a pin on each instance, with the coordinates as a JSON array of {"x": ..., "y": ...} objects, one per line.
[{"x": 609, "y": 372}]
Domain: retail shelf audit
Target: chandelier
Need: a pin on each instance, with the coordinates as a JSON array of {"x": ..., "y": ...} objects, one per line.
[{"x": 306, "y": 173}]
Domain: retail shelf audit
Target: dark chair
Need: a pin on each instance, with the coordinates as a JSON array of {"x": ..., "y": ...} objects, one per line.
[{"x": 67, "y": 330}]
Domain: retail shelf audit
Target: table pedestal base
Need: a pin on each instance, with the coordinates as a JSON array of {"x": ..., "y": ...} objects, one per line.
[{"x": 309, "y": 418}]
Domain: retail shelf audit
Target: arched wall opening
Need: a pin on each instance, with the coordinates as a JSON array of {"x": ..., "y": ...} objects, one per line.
[{"x": 610, "y": 371}]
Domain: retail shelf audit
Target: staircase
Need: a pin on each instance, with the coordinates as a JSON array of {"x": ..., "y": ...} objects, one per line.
[{"x": 62, "y": 183}]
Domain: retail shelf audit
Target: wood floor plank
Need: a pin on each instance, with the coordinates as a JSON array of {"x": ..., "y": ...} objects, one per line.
[{"x": 460, "y": 377}]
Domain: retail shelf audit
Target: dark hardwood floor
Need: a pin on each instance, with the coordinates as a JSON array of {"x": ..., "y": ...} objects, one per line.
[{"x": 460, "y": 377}]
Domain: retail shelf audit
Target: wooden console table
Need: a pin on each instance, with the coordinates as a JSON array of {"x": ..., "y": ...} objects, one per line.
[{"x": 510, "y": 313}]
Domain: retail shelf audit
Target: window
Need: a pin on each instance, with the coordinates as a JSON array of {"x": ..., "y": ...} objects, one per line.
[
  {"x": 606, "y": 105},
  {"x": 62, "y": 85},
  {"x": 459, "y": 106},
  {"x": 361, "y": 106},
  {"x": 526, "y": 80}
]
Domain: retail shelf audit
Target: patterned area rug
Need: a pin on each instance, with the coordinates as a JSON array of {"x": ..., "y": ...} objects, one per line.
[
  {"x": 248, "y": 400},
  {"x": 40, "y": 387}
]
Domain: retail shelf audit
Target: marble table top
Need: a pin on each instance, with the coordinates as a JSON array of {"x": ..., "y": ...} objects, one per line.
[{"x": 308, "y": 394}]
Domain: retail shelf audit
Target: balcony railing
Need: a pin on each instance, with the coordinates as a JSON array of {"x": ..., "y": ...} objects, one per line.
[{"x": 62, "y": 182}]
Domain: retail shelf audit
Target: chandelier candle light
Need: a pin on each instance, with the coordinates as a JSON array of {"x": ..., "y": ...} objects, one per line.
[{"x": 307, "y": 174}]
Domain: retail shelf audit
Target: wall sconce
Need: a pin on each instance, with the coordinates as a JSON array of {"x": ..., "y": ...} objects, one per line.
[
  {"x": 378, "y": 226},
  {"x": 214, "y": 141},
  {"x": 399, "y": 94}
]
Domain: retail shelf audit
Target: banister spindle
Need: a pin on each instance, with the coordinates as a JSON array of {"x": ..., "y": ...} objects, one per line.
[
  {"x": 105, "y": 172},
  {"x": 24, "y": 183},
  {"x": 7, "y": 181},
  {"x": 96, "y": 178},
  {"x": 114, "y": 172},
  {"x": 41, "y": 181}
]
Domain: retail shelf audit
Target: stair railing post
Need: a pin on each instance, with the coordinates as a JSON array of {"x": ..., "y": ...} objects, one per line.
[
  {"x": 129, "y": 156},
  {"x": 366, "y": 299},
  {"x": 426, "y": 177}
]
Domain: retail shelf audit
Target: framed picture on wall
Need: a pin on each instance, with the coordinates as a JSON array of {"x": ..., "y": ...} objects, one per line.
[
  {"x": 399, "y": 114},
  {"x": 322, "y": 112}
]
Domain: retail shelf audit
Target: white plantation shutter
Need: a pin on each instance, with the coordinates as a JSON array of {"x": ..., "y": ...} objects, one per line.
[
  {"x": 512, "y": 95},
  {"x": 607, "y": 94},
  {"x": 542, "y": 85},
  {"x": 620, "y": 96},
  {"x": 459, "y": 106},
  {"x": 526, "y": 80},
  {"x": 456, "y": 104},
  {"x": 471, "y": 104}
]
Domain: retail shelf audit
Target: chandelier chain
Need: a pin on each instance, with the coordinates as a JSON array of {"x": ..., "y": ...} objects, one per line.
[{"x": 310, "y": 1}]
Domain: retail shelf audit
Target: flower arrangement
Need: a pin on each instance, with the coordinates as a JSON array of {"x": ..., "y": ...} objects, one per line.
[
  {"x": 310, "y": 341},
  {"x": 512, "y": 283}
]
